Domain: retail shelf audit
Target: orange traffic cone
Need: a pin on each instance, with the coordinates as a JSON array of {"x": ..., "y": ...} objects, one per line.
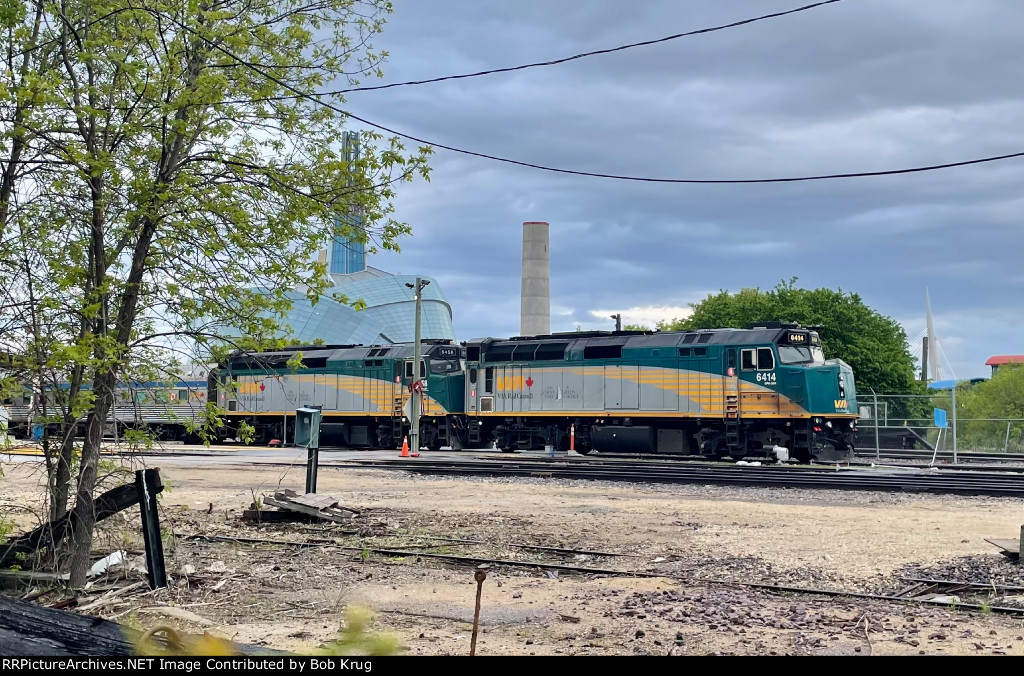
[{"x": 405, "y": 448}]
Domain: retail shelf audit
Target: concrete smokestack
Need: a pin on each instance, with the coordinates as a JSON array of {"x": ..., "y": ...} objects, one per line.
[{"x": 535, "y": 308}]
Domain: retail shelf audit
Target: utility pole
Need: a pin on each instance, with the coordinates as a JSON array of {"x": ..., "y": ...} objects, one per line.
[
  {"x": 955, "y": 458},
  {"x": 924, "y": 360},
  {"x": 618, "y": 321},
  {"x": 416, "y": 387}
]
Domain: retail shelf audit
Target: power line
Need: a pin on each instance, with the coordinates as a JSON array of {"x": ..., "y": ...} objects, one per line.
[
  {"x": 648, "y": 179},
  {"x": 610, "y": 50},
  {"x": 645, "y": 179}
]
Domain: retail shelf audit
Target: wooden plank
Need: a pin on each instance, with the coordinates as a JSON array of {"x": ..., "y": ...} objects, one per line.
[
  {"x": 28, "y": 629},
  {"x": 313, "y": 500},
  {"x": 31, "y": 576},
  {"x": 291, "y": 506},
  {"x": 276, "y": 516},
  {"x": 1010, "y": 548}
]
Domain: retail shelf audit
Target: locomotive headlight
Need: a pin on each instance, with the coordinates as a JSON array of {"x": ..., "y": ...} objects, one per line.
[
  {"x": 828, "y": 424},
  {"x": 851, "y": 424}
]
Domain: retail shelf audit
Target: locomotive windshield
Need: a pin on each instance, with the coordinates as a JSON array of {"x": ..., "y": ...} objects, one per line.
[
  {"x": 791, "y": 354},
  {"x": 444, "y": 359},
  {"x": 441, "y": 367}
]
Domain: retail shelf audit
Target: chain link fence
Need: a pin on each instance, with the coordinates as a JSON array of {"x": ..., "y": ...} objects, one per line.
[{"x": 893, "y": 423}]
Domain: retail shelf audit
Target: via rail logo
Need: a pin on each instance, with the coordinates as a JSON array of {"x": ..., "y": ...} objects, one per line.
[
  {"x": 511, "y": 387},
  {"x": 514, "y": 383}
]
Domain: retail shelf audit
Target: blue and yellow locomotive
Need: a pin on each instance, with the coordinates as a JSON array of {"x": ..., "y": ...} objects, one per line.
[{"x": 716, "y": 393}]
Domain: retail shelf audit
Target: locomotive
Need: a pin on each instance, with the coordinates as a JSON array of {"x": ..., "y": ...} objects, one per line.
[{"x": 718, "y": 393}]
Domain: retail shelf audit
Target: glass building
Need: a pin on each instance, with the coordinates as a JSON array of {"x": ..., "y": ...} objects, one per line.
[
  {"x": 347, "y": 255},
  {"x": 390, "y": 312},
  {"x": 389, "y": 315}
]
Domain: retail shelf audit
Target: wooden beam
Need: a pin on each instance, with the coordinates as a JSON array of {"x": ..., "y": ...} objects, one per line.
[
  {"x": 30, "y": 630},
  {"x": 107, "y": 505}
]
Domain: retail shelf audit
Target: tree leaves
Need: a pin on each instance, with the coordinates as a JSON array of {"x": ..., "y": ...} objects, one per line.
[
  {"x": 874, "y": 345},
  {"x": 161, "y": 186}
]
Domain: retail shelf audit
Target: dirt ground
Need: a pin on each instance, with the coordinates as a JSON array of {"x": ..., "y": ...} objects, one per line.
[{"x": 293, "y": 598}]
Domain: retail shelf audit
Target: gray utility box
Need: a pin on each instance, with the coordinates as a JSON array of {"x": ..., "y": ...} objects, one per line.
[{"x": 307, "y": 427}]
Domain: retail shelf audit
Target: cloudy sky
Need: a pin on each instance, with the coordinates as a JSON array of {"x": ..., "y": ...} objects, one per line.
[{"x": 861, "y": 85}]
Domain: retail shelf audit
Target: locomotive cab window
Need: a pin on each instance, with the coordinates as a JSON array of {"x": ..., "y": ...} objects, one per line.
[
  {"x": 442, "y": 367},
  {"x": 749, "y": 360},
  {"x": 489, "y": 379},
  {"x": 765, "y": 359},
  {"x": 408, "y": 369},
  {"x": 602, "y": 352}
]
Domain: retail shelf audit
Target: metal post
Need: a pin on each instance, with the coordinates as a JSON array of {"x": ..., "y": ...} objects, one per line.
[
  {"x": 1006, "y": 444},
  {"x": 480, "y": 576},
  {"x": 955, "y": 461},
  {"x": 312, "y": 463},
  {"x": 147, "y": 484},
  {"x": 414, "y": 419},
  {"x": 877, "y": 449}
]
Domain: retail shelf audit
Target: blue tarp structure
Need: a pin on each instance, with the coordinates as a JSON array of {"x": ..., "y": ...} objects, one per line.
[{"x": 942, "y": 385}]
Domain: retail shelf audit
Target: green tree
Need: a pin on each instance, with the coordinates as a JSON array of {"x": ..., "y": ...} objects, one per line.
[
  {"x": 1001, "y": 398},
  {"x": 874, "y": 345},
  {"x": 175, "y": 186}
]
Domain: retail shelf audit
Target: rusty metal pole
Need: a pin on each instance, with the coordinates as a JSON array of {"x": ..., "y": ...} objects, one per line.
[{"x": 480, "y": 576}]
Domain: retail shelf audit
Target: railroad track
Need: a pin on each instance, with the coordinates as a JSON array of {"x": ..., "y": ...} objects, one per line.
[
  {"x": 959, "y": 483},
  {"x": 901, "y": 454}
]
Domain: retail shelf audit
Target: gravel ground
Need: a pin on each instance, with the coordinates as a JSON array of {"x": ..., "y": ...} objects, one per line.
[{"x": 293, "y": 599}]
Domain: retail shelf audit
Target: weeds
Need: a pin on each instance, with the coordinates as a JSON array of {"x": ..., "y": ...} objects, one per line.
[{"x": 355, "y": 638}]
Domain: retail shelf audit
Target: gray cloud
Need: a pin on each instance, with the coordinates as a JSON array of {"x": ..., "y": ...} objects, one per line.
[{"x": 862, "y": 85}]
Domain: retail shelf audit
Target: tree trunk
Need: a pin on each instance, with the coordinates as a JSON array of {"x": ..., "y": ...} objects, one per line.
[
  {"x": 61, "y": 477},
  {"x": 83, "y": 517}
]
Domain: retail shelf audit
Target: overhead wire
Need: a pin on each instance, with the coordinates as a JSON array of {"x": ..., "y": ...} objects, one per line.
[
  {"x": 315, "y": 98},
  {"x": 645, "y": 179},
  {"x": 583, "y": 55}
]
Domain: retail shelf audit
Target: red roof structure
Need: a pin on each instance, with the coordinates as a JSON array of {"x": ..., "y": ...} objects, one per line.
[{"x": 1002, "y": 359}]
